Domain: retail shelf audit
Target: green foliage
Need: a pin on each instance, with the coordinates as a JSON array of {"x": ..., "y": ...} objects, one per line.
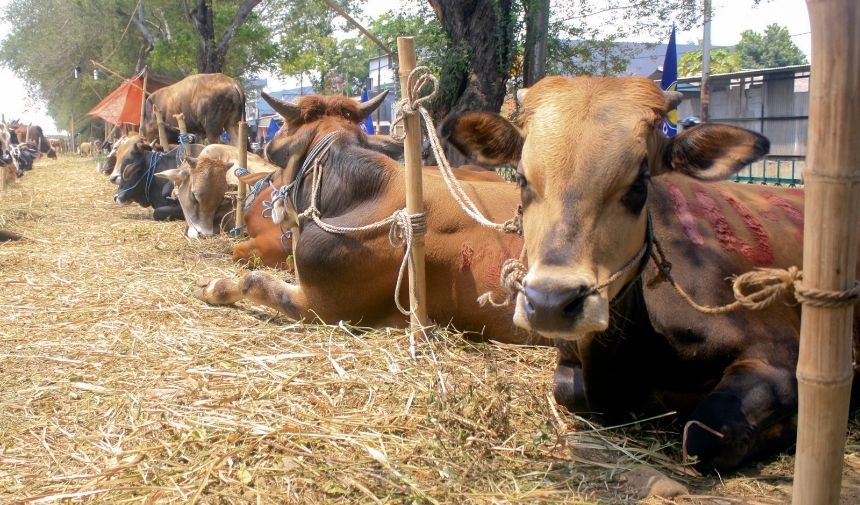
[
  {"x": 773, "y": 48},
  {"x": 723, "y": 61},
  {"x": 584, "y": 33},
  {"x": 49, "y": 37}
]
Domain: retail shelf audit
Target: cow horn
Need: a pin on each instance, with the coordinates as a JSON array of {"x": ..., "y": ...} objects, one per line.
[
  {"x": 289, "y": 111},
  {"x": 366, "y": 108},
  {"x": 673, "y": 99},
  {"x": 521, "y": 96}
]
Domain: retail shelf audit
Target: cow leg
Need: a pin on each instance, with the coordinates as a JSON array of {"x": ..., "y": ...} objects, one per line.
[
  {"x": 258, "y": 287},
  {"x": 233, "y": 132},
  {"x": 167, "y": 213},
  {"x": 751, "y": 411}
]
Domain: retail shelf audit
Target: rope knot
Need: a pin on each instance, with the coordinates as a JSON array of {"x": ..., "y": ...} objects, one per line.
[
  {"x": 761, "y": 288},
  {"x": 413, "y": 102},
  {"x": 511, "y": 277}
]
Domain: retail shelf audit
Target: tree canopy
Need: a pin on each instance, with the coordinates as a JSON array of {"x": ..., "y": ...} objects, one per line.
[
  {"x": 723, "y": 61},
  {"x": 773, "y": 48}
]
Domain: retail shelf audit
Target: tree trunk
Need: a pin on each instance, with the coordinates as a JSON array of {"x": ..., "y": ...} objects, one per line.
[
  {"x": 212, "y": 55},
  {"x": 475, "y": 74},
  {"x": 537, "y": 26}
]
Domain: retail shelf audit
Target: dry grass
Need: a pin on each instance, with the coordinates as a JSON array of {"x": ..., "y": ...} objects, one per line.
[{"x": 118, "y": 386}]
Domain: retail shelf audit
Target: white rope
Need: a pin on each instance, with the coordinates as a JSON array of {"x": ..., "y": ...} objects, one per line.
[
  {"x": 402, "y": 227},
  {"x": 418, "y": 78}
]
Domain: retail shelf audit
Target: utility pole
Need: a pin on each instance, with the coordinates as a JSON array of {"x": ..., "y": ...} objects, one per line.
[{"x": 706, "y": 63}]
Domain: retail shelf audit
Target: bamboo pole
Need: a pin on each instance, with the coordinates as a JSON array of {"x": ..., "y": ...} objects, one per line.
[
  {"x": 142, "y": 102},
  {"x": 72, "y": 134},
  {"x": 414, "y": 191},
  {"x": 832, "y": 208},
  {"x": 180, "y": 120},
  {"x": 162, "y": 130},
  {"x": 242, "y": 188}
]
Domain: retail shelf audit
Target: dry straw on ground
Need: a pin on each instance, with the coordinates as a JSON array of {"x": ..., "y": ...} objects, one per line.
[{"x": 118, "y": 386}]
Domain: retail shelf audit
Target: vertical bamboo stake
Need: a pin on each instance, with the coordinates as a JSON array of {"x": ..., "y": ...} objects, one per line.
[
  {"x": 72, "y": 134},
  {"x": 142, "y": 102},
  {"x": 832, "y": 209},
  {"x": 414, "y": 190},
  {"x": 242, "y": 188},
  {"x": 162, "y": 130},
  {"x": 180, "y": 120}
]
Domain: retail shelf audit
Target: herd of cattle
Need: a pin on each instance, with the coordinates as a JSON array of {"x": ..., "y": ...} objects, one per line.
[{"x": 600, "y": 186}]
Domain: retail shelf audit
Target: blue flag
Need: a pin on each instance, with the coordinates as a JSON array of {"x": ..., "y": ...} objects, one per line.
[
  {"x": 367, "y": 124},
  {"x": 272, "y": 130},
  {"x": 670, "y": 83}
]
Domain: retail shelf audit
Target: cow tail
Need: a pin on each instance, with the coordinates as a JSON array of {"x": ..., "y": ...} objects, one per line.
[{"x": 242, "y": 99}]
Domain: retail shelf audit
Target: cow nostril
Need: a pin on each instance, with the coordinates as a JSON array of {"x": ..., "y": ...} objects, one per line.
[{"x": 575, "y": 301}]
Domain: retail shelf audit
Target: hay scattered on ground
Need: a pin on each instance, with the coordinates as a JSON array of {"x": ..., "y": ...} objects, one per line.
[{"x": 118, "y": 386}]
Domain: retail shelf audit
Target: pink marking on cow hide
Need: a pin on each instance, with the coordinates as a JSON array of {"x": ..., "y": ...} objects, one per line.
[
  {"x": 794, "y": 215},
  {"x": 762, "y": 255},
  {"x": 467, "y": 255},
  {"x": 685, "y": 217}
]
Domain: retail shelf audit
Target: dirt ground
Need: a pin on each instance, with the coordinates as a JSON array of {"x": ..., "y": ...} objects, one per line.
[{"x": 118, "y": 386}]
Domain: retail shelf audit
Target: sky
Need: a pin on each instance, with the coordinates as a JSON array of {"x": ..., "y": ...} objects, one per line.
[{"x": 731, "y": 17}]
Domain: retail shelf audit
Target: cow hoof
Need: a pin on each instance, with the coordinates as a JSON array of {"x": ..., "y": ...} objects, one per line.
[
  {"x": 217, "y": 291},
  {"x": 646, "y": 482}
]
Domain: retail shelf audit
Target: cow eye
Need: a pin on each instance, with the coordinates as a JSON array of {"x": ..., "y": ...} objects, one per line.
[
  {"x": 636, "y": 195},
  {"x": 520, "y": 176}
]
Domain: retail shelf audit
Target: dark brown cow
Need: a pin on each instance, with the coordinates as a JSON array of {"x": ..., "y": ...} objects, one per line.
[
  {"x": 594, "y": 171},
  {"x": 34, "y": 134},
  {"x": 352, "y": 277},
  {"x": 210, "y": 102}
]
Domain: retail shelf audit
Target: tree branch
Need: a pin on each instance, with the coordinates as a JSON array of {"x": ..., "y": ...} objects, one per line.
[
  {"x": 141, "y": 26},
  {"x": 241, "y": 15}
]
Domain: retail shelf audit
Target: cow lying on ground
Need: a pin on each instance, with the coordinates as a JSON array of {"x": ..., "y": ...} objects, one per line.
[
  {"x": 138, "y": 183},
  {"x": 597, "y": 179},
  {"x": 351, "y": 277},
  {"x": 118, "y": 150},
  {"x": 271, "y": 245},
  {"x": 211, "y": 103},
  {"x": 201, "y": 183}
]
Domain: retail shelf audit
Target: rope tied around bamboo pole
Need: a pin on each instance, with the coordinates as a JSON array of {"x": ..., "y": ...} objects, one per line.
[{"x": 413, "y": 104}]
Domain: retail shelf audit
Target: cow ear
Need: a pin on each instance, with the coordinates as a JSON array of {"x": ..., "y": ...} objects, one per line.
[
  {"x": 712, "y": 151},
  {"x": 486, "y": 138},
  {"x": 191, "y": 161},
  {"x": 174, "y": 175}
]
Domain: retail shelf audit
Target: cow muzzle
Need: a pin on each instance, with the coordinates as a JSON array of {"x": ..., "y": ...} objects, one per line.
[{"x": 566, "y": 307}]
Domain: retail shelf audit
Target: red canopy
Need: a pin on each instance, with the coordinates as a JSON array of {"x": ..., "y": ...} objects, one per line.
[{"x": 122, "y": 106}]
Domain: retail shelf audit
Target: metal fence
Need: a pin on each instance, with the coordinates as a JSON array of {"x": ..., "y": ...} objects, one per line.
[{"x": 773, "y": 102}]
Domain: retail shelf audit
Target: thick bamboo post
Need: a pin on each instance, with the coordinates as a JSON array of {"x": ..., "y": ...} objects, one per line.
[
  {"x": 142, "y": 102},
  {"x": 180, "y": 120},
  {"x": 414, "y": 190},
  {"x": 242, "y": 188},
  {"x": 832, "y": 208},
  {"x": 162, "y": 130}
]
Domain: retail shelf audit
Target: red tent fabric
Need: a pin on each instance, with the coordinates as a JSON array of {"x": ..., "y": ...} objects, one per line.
[{"x": 122, "y": 106}]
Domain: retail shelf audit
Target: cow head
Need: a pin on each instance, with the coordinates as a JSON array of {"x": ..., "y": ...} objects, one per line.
[
  {"x": 122, "y": 147},
  {"x": 585, "y": 153},
  {"x": 131, "y": 171},
  {"x": 199, "y": 185},
  {"x": 311, "y": 118}
]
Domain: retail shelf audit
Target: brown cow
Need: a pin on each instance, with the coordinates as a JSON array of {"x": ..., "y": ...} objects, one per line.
[
  {"x": 598, "y": 180},
  {"x": 210, "y": 102},
  {"x": 86, "y": 149},
  {"x": 55, "y": 145},
  {"x": 34, "y": 134},
  {"x": 270, "y": 244},
  {"x": 200, "y": 184},
  {"x": 352, "y": 276}
]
